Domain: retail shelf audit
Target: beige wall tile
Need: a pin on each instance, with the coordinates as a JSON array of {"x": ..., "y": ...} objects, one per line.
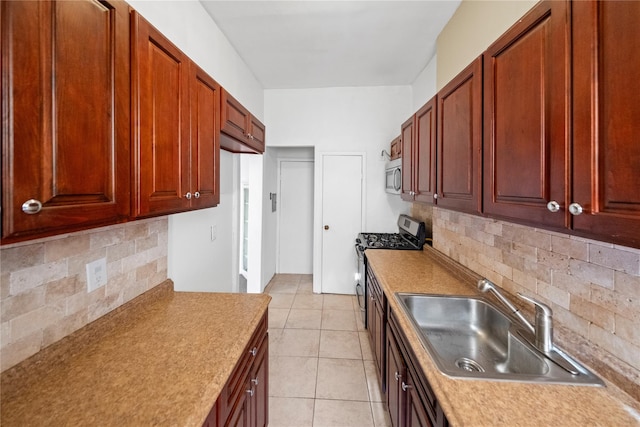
[
  {"x": 591, "y": 273},
  {"x": 16, "y": 351},
  {"x": 593, "y": 313},
  {"x": 628, "y": 330},
  {"x": 44, "y": 291},
  {"x": 22, "y": 303},
  {"x": 572, "y": 248},
  {"x": 21, "y": 257},
  {"x": 625, "y": 260},
  {"x": 627, "y": 284},
  {"x": 66, "y": 247},
  {"x": 31, "y": 277},
  {"x": 623, "y": 349}
]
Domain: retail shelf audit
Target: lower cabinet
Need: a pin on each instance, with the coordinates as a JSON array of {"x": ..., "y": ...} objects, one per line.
[
  {"x": 243, "y": 401},
  {"x": 410, "y": 400},
  {"x": 376, "y": 323}
]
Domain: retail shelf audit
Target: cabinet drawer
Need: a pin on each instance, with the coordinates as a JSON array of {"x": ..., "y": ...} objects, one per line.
[{"x": 236, "y": 385}]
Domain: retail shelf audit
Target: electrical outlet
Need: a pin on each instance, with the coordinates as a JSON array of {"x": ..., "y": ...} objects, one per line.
[
  {"x": 96, "y": 274},
  {"x": 214, "y": 232}
]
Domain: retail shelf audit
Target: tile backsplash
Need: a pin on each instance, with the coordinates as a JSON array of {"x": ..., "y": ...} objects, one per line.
[
  {"x": 43, "y": 285},
  {"x": 592, "y": 287}
]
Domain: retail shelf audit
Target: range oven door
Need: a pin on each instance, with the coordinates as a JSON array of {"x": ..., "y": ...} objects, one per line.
[{"x": 361, "y": 288}]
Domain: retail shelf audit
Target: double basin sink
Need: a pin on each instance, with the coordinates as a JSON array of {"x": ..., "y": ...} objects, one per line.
[{"x": 468, "y": 337}]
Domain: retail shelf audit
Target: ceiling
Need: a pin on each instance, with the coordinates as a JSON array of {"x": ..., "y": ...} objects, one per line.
[{"x": 308, "y": 44}]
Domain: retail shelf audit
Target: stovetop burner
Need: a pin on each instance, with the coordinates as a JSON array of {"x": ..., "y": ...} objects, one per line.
[{"x": 410, "y": 237}]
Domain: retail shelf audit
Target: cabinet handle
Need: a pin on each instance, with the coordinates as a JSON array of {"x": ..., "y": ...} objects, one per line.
[
  {"x": 31, "y": 206},
  {"x": 255, "y": 381},
  {"x": 254, "y": 351},
  {"x": 250, "y": 392},
  {"x": 553, "y": 206},
  {"x": 405, "y": 386},
  {"x": 196, "y": 194},
  {"x": 188, "y": 195},
  {"x": 575, "y": 209},
  {"x": 398, "y": 376}
]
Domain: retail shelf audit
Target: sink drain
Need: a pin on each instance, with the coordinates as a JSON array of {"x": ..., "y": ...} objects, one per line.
[{"x": 469, "y": 365}]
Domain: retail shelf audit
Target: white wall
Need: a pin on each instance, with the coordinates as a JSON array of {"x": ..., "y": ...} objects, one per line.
[
  {"x": 194, "y": 262},
  {"x": 354, "y": 119},
  {"x": 424, "y": 87}
]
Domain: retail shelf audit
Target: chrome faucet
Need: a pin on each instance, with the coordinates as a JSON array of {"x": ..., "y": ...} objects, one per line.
[
  {"x": 543, "y": 330},
  {"x": 486, "y": 285}
]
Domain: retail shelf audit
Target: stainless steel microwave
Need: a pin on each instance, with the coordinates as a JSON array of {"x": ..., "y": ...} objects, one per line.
[{"x": 393, "y": 176}]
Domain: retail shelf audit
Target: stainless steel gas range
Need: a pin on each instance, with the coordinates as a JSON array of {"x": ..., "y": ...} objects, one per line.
[{"x": 411, "y": 235}]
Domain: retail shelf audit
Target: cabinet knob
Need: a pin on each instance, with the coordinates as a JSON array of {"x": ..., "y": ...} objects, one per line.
[
  {"x": 405, "y": 386},
  {"x": 188, "y": 195},
  {"x": 553, "y": 206},
  {"x": 326, "y": 227},
  {"x": 398, "y": 376},
  {"x": 250, "y": 392},
  {"x": 255, "y": 380},
  {"x": 435, "y": 195},
  {"x": 575, "y": 209},
  {"x": 196, "y": 194},
  {"x": 254, "y": 351},
  {"x": 31, "y": 206}
]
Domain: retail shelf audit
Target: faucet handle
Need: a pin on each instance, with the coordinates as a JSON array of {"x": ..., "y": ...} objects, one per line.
[
  {"x": 543, "y": 323},
  {"x": 540, "y": 306}
]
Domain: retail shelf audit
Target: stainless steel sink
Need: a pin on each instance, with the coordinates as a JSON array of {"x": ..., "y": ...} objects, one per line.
[{"x": 468, "y": 337}]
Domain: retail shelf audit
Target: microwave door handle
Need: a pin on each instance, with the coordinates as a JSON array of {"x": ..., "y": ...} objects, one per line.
[{"x": 397, "y": 179}]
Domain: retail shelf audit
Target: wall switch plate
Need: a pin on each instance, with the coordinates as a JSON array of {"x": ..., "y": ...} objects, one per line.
[
  {"x": 214, "y": 232},
  {"x": 96, "y": 274}
]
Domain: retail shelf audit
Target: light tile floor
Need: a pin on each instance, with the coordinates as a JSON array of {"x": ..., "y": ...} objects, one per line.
[{"x": 321, "y": 369}]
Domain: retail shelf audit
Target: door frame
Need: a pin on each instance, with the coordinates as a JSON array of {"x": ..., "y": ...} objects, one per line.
[
  {"x": 318, "y": 208},
  {"x": 279, "y": 206}
]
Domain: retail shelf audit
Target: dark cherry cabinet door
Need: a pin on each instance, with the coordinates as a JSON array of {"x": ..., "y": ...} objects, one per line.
[
  {"x": 606, "y": 114},
  {"x": 526, "y": 117},
  {"x": 65, "y": 115},
  {"x": 396, "y": 373},
  {"x": 460, "y": 141},
  {"x": 407, "y": 135},
  {"x": 161, "y": 116},
  {"x": 256, "y": 134},
  {"x": 416, "y": 415},
  {"x": 425, "y": 152},
  {"x": 241, "y": 131},
  {"x": 205, "y": 140}
]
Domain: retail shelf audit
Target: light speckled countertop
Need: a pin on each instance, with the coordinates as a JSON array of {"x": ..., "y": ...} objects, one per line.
[
  {"x": 472, "y": 402},
  {"x": 161, "y": 359}
]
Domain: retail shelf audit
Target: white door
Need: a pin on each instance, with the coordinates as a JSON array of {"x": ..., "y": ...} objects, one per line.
[
  {"x": 341, "y": 220},
  {"x": 295, "y": 236}
]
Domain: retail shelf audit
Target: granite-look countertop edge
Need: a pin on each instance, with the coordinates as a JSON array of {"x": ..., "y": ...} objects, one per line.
[
  {"x": 471, "y": 402},
  {"x": 162, "y": 359}
]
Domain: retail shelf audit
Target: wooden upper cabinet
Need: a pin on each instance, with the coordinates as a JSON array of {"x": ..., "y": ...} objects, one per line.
[
  {"x": 65, "y": 116},
  {"x": 176, "y": 145},
  {"x": 425, "y": 152},
  {"x": 160, "y": 87},
  {"x": 526, "y": 117},
  {"x": 205, "y": 139},
  {"x": 407, "y": 136},
  {"x": 606, "y": 114},
  {"x": 418, "y": 141},
  {"x": 460, "y": 141},
  {"x": 241, "y": 131}
]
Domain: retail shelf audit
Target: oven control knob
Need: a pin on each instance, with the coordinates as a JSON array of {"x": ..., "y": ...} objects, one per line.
[{"x": 326, "y": 227}]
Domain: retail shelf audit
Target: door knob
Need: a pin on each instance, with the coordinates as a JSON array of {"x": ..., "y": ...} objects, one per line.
[{"x": 326, "y": 227}]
